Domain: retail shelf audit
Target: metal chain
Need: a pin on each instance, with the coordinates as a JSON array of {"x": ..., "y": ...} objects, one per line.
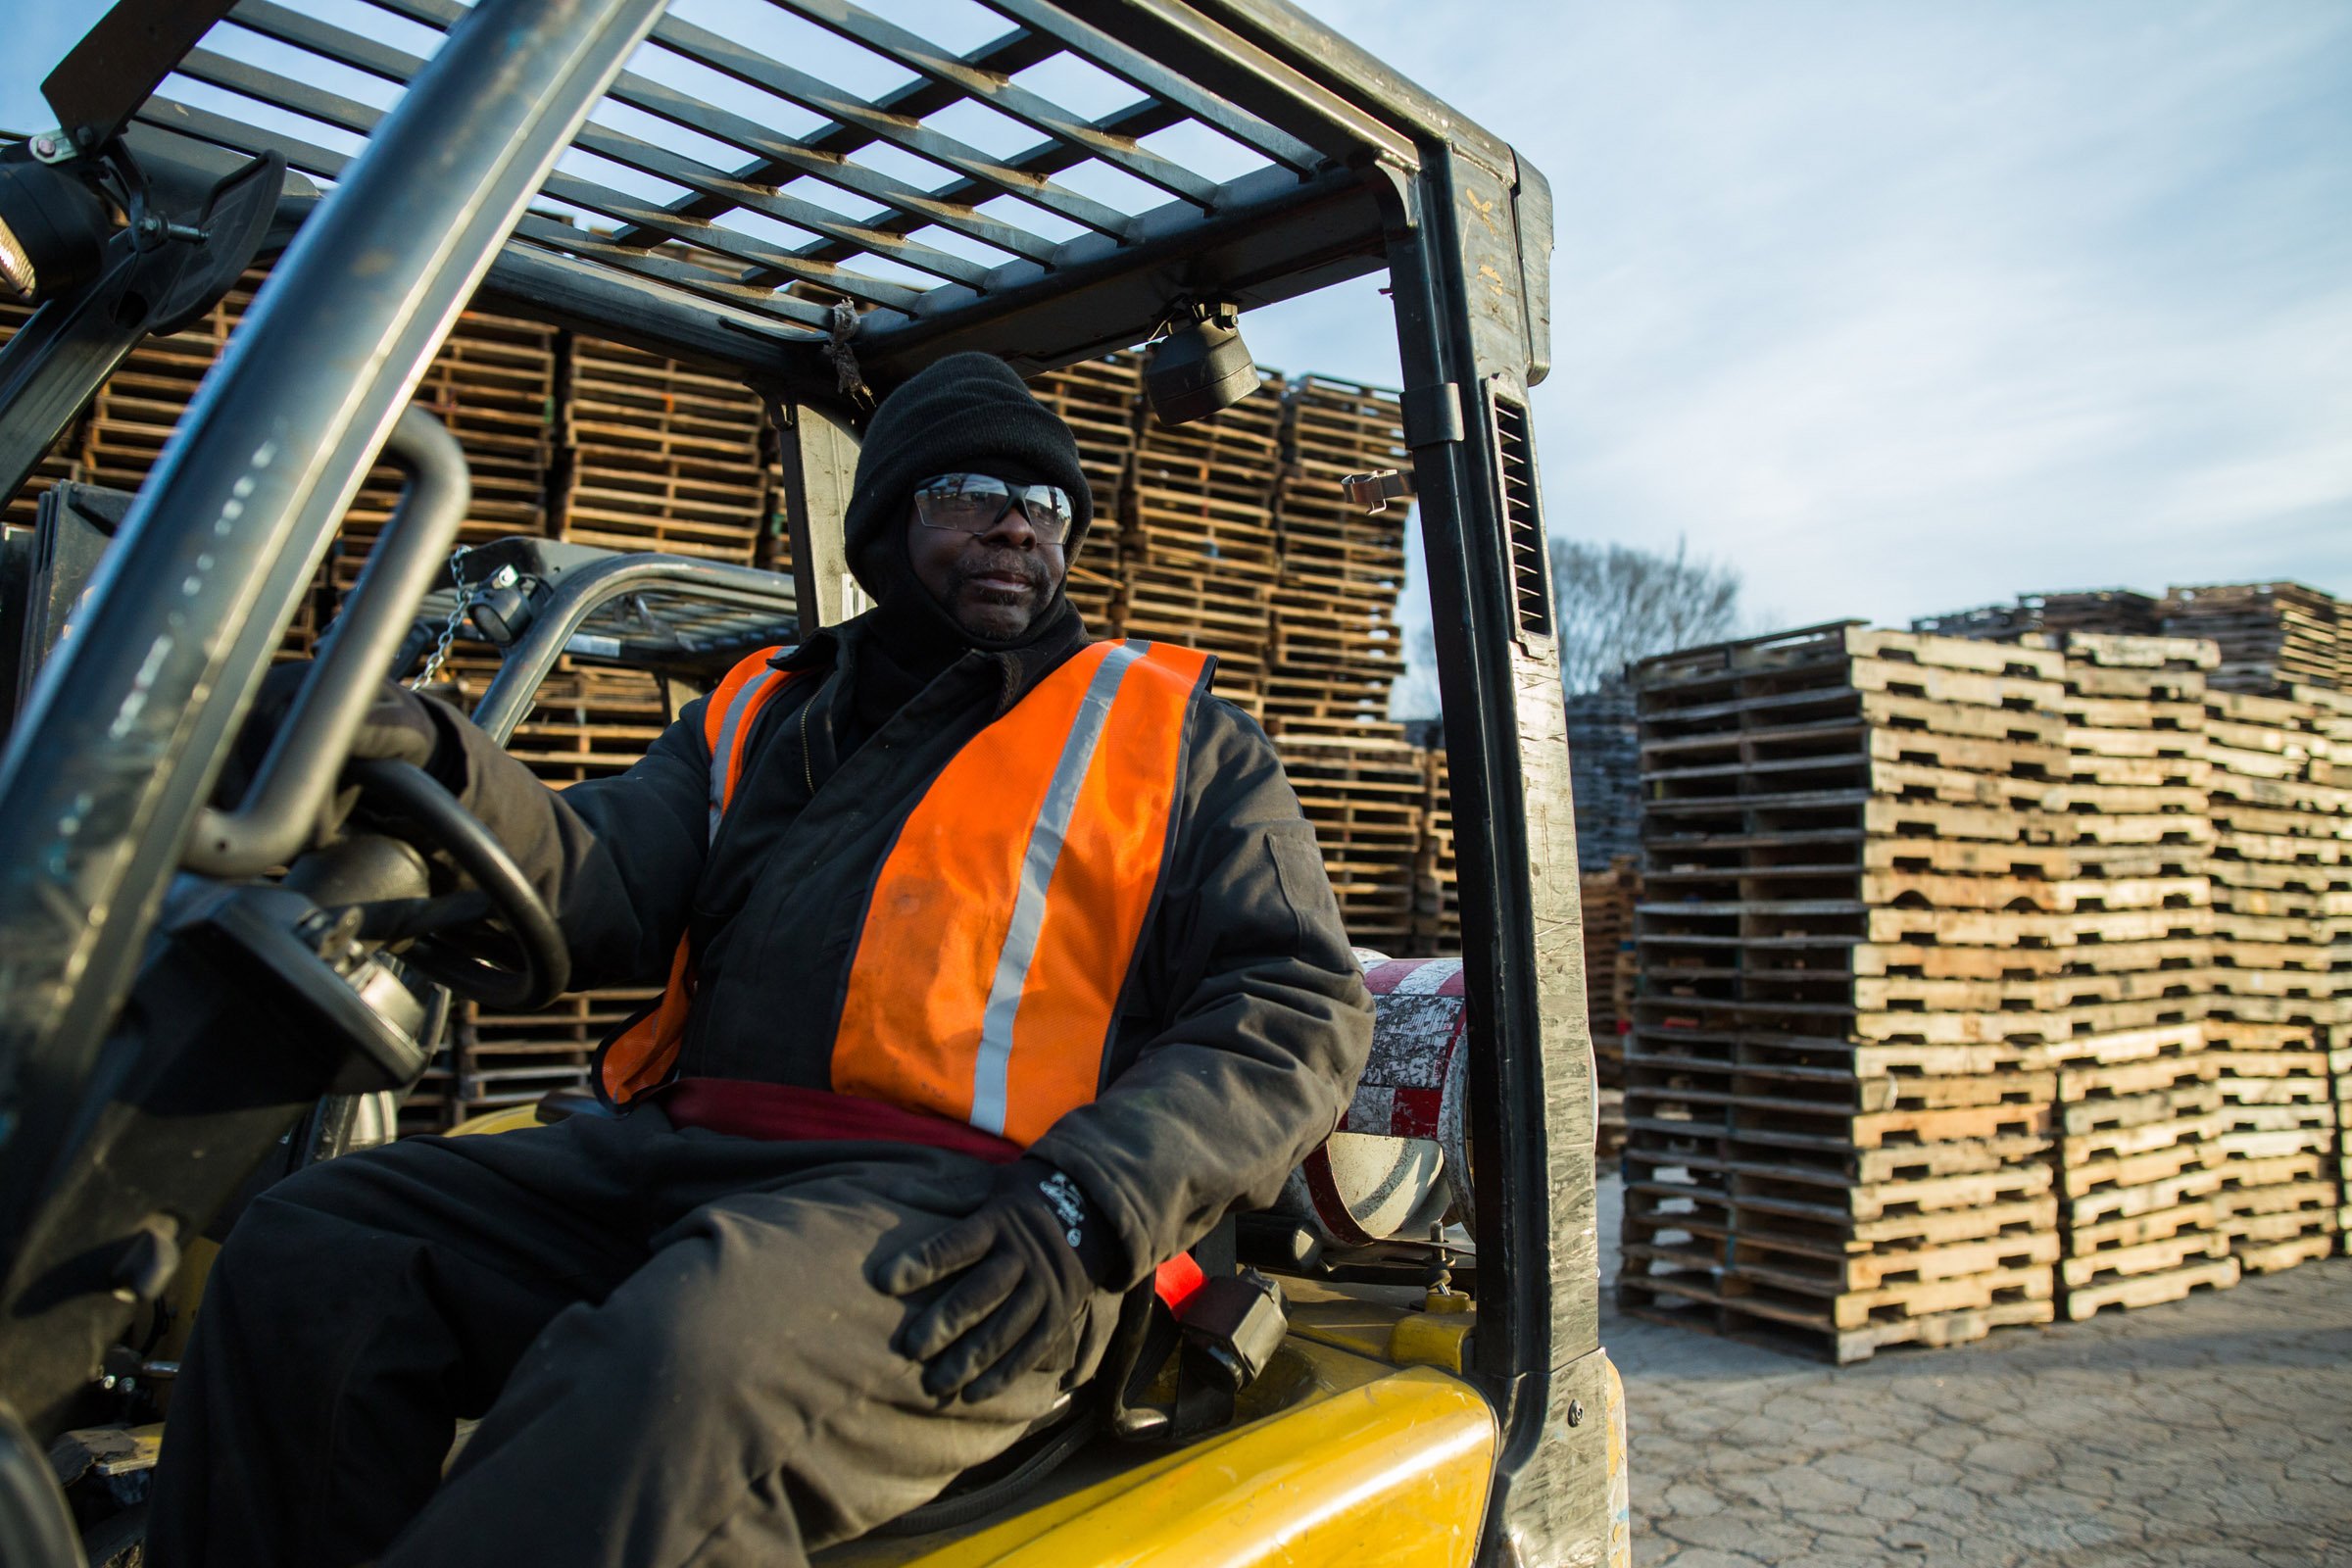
[{"x": 448, "y": 630}]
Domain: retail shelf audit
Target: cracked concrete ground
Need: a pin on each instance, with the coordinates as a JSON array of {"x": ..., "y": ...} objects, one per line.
[{"x": 2211, "y": 1433}]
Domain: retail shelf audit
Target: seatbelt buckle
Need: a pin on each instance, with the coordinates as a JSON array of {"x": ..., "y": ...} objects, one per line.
[{"x": 1233, "y": 1324}]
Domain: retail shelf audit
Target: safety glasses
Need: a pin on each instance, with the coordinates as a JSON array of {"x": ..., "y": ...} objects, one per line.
[{"x": 974, "y": 503}]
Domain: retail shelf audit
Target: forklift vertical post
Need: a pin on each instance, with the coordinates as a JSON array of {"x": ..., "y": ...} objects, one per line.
[
  {"x": 821, "y": 464},
  {"x": 1453, "y": 266},
  {"x": 121, "y": 743}
]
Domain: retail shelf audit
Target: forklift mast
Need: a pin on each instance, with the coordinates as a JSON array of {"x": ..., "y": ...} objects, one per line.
[{"x": 489, "y": 175}]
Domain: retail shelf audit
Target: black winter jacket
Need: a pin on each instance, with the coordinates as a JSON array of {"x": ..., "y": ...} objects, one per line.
[{"x": 1241, "y": 1031}]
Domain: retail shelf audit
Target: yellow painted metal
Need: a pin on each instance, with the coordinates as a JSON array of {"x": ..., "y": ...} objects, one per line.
[
  {"x": 511, "y": 1119},
  {"x": 1422, "y": 1339},
  {"x": 1621, "y": 1496},
  {"x": 1383, "y": 1471},
  {"x": 1389, "y": 1331}
]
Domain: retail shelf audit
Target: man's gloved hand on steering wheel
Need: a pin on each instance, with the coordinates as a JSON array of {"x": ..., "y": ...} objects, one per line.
[
  {"x": 401, "y": 726},
  {"x": 1019, "y": 1268}
]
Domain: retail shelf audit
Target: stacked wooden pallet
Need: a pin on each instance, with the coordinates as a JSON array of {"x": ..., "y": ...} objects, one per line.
[
  {"x": 590, "y": 722},
  {"x": 136, "y": 409},
  {"x": 492, "y": 386},
  {"x": 2139, "y": 1145},
  {"x": 2332, "y": 928},
  {"x": 2270, "y": 634},
  {"x": 1436, "y": 908},
  {"x": 505, "y": 1059},
  {"x": 658, "y": 456},
  {"x": 2103, "y": 612},
  {"x": 1197, "y": 558},
  {"x": 653, "y": 456},
  {"x": 2282, "y": 855},
  {"x": 1609, "y": 898},
  {"x": 1368, "y": 802},
  {"x": 1839, "y": 1081},
  {"x": 1100, "y": 400},
  {"x": 1605, "y": 769},
  {"x": 1337, "y": 650}
]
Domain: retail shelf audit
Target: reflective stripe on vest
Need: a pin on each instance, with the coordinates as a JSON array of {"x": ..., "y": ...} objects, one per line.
[
  {"x": 1005, "y": 918},
  {"x": 641, "y": 1056}
]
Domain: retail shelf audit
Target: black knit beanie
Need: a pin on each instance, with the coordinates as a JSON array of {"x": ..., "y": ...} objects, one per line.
[{"x": 954, "y": 414}]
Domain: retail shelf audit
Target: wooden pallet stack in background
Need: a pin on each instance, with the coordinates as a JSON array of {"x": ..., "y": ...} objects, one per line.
[
  {"x": 1335, "y": 650},
  {"x": 2270, "y": 634},
  {"x": 1608, "y": 898},
  {"x": 1197, "y": 543},
  {"x": 2332, "y": 929},
  {"x": 655, "y": 455},
  {"x": 517, "y": 1058},
  {"x": 2139, "y": 1151},
  {"x": 1838, "y": 1083},
  {"x": 493, "y": 387},
  {"x": 2283, "y": 838},
  {"x": 1436, "y": 908},
  {"x": 1605, "y": 771},
  {"x": 1367, "y": 800},
  {"x": 660, "y": 456},
  {"x": 138, "y": 407},
  {"x": 1100, "y": 400},
  {"x": 2103, "y": 612}
]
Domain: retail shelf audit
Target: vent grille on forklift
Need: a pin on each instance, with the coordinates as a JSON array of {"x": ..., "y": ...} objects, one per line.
[{"x": 1530, "y": 576}]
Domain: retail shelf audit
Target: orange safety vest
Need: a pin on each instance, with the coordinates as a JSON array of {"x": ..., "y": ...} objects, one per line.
[{"x": 987, "y": 971}]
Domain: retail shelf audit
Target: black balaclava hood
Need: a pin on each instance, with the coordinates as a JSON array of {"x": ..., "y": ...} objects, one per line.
[{"x": 967, "y": 411}]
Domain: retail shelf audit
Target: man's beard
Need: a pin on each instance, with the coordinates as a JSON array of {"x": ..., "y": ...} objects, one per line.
[{"x": 992, "y": 601}]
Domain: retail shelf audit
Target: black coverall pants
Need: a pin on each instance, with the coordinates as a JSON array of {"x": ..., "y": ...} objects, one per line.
[{"x": 669, "y": 1334}]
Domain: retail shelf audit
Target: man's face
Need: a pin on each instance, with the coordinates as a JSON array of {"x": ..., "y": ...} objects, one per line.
[{"x": 993, "y": 584}]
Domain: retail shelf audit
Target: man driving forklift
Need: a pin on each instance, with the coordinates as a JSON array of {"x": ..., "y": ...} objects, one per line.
[{"x": 1002, "y": 964}]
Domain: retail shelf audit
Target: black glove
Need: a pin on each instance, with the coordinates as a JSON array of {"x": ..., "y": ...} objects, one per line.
[
  {"x": 1022, "y": 1266},
  {"x": 400, "y": 727}
]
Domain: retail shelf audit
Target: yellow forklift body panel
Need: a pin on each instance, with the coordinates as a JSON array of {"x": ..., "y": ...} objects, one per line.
[{"x": 1375, "y": 1466}]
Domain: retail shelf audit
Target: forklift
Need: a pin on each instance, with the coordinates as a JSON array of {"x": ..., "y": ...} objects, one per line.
[{"x": 199, "y": 992}]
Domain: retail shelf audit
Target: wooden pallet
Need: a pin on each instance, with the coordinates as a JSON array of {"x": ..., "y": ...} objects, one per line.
[
  {"x": 2024, "y": 1297},
  {"x": 1368, "y": 803},
  {"x": 589, "y": 724},
  {"x": 1101, "y": 401},
  {"x": 660, "y": 457},
  {"x": 2269, "y": 635},
  {"x": 2087, "y": 1267},
  {"x": 504, "y": 1059},
  {"x": 2152, "y": 1288}
]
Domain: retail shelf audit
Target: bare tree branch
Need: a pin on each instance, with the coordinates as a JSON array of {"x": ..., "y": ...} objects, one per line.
[{"x": 1616, "y": 603}]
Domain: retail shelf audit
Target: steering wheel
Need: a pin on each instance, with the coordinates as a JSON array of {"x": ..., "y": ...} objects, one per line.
[{"x": 541, "y": 969}]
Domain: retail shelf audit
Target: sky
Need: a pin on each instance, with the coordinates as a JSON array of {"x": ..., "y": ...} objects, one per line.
[
  {"x": 1894, "y": 308},
  {"x": 1902, "y": 307}
]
